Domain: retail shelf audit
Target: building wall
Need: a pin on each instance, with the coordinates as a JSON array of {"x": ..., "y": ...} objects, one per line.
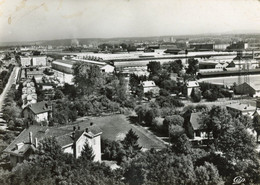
[
  {"x": 39, "y": 61},
  {"x": 92, "y": 142},
  {"x": 41, "y": 117},
  {"x": 68, "y": 149},
  {"x": 25, "y": 61},
  {"x": 63, "y": 77},
  {"x": 62, "y": 68},
  {"x": 200, "y": 136}
]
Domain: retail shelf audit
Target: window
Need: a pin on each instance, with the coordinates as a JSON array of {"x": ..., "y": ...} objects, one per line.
[{"x": 197, "y": 133}]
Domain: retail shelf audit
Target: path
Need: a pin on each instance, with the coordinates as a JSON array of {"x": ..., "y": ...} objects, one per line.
[{"x": 11, "y": 81}]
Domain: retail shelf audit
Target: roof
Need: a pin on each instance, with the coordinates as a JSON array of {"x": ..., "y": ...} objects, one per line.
[
  {"x": 59, "y": 61},
  {"x": 107, "y": 66},
  {"x": 255, "y": 86},
  {"x": 148, "y": 84},
  {"x": 37, "y": 132},
  {"x": 63, "y": 135},
  {"x": 241, "y": 107},
  {"x": 39, "y": 107},
  {"x": 194, "y": 120},
  {"x": 192, "y": 84}
]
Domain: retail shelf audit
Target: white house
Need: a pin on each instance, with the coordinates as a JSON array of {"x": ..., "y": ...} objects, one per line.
[
  {"x": 189, "y": 85},
  {"x": 107, "y": 69},
  {"x": 199, "y": 134},
  {"x": 40, "y": 111},
  {"x": 150, "y": 86},
  {"x": 71, "y": 139}
]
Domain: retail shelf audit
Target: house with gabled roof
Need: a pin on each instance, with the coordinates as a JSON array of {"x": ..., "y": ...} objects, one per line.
[
  {"x": 71, "y": 139},
  {"x": 40, "y": 111},
  {"x": 189, "y": 86},
  {"x": 199, "y": 133},
  {"x": 252, "y": 89},
  {"x": 150, "y": 86}
]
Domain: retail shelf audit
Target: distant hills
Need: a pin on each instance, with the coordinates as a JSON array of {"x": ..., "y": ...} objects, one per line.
[{"x": 86, "y": 41}]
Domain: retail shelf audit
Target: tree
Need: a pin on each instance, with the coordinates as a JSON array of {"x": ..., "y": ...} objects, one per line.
[
  {"x": 236, "y": 143},
  {"x": 256, "y": 125},
  {"x": 172, "y": 121},
  {"x": 160, "y": 168},
  {"x": 195, "y": 95},
  {"x": 174, "y": 66},
  {"x": 58, "y": 94},
  {"x": 180, "y": 143},
  {"x": 49, "y": 147},
  {"x": 130, "y": 143},
  {"x": 210, "y": 95},
  {"x": 87, "y": 78},
  {"x": 87, "y": 153},
  {"x": 208, "y": 175},
  {"x": 193, "y": 66},
  {"x": 154, "y": 68}
]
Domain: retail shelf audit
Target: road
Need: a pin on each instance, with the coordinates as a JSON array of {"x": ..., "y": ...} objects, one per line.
[
  {"x": 11, "y": 80},
  {"x": 229, "y": 80}
]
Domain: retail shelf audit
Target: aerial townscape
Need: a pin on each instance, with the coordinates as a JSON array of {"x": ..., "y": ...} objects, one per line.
[{"x": 80, "y": 105}]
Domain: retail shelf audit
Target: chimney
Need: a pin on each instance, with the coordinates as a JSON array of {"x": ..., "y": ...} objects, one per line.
[
  {"x": 36, "y": 142},
  {"x": 87, "y": 130},
  {"x": 74, "y": 128},
  {"x": 30, "y": 137},
  {"x": 73, "y": 135},
  {"x": 19, "y": 146}
]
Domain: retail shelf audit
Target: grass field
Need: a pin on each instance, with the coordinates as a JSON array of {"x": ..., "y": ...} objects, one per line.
[{"x": 116, "y": 126}]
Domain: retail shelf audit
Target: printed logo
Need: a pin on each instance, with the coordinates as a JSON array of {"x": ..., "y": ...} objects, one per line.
[{"x": 238, "y": 180}]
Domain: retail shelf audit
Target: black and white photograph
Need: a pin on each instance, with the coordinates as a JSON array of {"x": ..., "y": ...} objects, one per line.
[{"x": 129, "y": 92}]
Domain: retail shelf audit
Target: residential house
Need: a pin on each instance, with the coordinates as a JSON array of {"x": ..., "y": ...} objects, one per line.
[
  {"x": 29, "y": 95},
  {"x": 199, "y": 133},
  {"x": 150, "y": 86},
  {"x": 40, "y": 111},
  {"x": 241, "y": 109},
  {"x": 251, "y": 89},
  {"x": 189, "y": 86},
  {"x": 71, "y": 139},
  {"x": 107, "y": 69}
]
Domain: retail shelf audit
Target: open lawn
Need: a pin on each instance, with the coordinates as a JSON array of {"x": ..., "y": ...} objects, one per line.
[{"x": 115, "y": 127}]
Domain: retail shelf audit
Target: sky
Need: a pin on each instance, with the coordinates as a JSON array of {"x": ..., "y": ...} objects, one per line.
[{"x": 32, "y": 20}]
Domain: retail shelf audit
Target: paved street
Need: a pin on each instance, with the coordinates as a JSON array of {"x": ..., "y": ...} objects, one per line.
[{"x": 12, "y": 80}]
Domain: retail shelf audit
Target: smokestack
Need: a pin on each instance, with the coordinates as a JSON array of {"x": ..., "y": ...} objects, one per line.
[
  {"x": 36, "y": 142},
  {"x": 30, "y": 137}
]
